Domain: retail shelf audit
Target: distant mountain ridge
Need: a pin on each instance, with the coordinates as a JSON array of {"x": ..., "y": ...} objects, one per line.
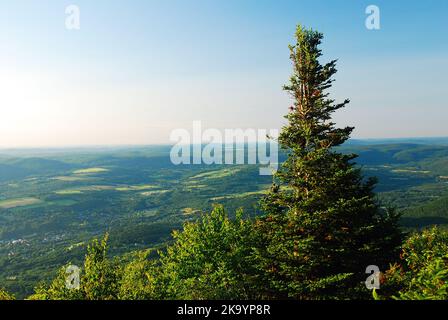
[{"x": 416, "y": 140}]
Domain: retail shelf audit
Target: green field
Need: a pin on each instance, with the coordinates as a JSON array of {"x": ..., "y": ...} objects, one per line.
[
  {"x": 90, "y": 171},
  {"x": 21, "y": 202}
]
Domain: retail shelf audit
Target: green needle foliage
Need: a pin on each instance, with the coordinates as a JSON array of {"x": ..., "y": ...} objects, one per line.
[{"x": 323, "y": 226}]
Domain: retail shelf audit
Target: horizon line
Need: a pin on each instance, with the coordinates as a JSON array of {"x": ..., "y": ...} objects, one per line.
[{"x": 98, "y": 146}]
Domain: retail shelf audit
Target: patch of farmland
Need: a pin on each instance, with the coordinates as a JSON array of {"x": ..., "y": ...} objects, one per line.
[
  {"x": 90, "y": 170},
  {"x": 21, "y": 202}
]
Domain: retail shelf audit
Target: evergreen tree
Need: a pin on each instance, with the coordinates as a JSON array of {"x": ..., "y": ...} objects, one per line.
[{"x": 322, "y": 226}]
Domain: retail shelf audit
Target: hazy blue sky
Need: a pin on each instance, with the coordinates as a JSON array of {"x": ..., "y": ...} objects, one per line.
[{"x": 138, "y": 68}]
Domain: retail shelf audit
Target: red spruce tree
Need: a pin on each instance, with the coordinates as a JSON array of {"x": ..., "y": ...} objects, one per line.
[{"x": 322, "y": 226}]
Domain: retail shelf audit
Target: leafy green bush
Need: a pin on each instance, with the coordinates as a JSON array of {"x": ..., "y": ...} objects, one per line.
[
  {"x": 139, "y": 279},
  {"x": 99, "y": 278},
  {"x": 209, "y": 259},
  {"x": 5, "y": 295},
  {"x": 423, "y": 272}
]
